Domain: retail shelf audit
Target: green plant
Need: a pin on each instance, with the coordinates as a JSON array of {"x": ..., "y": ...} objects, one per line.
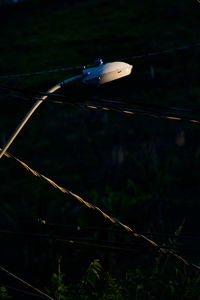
[{"x": 3, "y": 293}]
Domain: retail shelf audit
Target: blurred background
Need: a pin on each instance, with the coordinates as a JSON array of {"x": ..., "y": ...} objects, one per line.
[{"x": 140, "y": 169}]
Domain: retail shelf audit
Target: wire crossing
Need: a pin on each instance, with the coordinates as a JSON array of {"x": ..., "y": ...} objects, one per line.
[
  {"x": 149, "y": 110},
  {"x": 120, "y": 231},
  {"x": 113, "y": 220},
  {"x": 135, "y": 57},
  {"x": 111, "y": 244},
  {"x": 58, "y": 86},
  {"x": 31, "y": 93}
]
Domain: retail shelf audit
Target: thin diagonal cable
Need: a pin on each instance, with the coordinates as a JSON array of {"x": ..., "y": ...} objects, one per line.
[
  {"x": 45, "y": 72},
  {"x": 135, "y": 57},
  {"x": 27, "y": 98},
  {"x": 128, "y": 111},
  {"x": 110, "y": 243},
  {"x": 140, "y": 247},
  {"x": 26, "y": 283},
  {"x": 171, "y": 50},
  {"x": 23, "y": 291},
  {"x": 105, "y": 215},
  {"x": 106, "y": 101},
  {"x": 141, "y": 112},
  {"x": 98, "y": 100},
  {"x": 86, "y": 228},
  {"x": 75, "y": 239}
]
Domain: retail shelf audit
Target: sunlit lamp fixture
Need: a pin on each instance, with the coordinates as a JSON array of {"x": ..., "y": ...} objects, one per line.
[
  {"x": 99, "y": 74},
  {"x": 104, "y": 73}
]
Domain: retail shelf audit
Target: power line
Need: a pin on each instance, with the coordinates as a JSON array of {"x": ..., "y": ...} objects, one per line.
[
  {"x": 23, "y": 291},
  {"x": 21, "y": 97},
  {"x": 79, "y": 228},
  {"x": 45, "y": 72},
  {"x": 52, "y": 90},
  {"x": 28, "y": 99},
  {"x": 135, "y": 57},
  {"x": 26, "y": 283},
  {"x": 171, "y": 50},
  {"x": 131, "y": 109},
  {"x": 99, "y": 100},
  {"x": 73, "y": 240},
  {"x": 113, "y": 220},
  {"x": 112, "y": 244},
  {"x": 142, "y": 112}
]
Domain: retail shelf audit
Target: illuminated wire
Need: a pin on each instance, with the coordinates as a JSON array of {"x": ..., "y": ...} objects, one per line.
[
  {"x": 131, "y": 110},
  {"x": 33, "y": 93},
  {"x": 22, "y": 291},
  {"x": 26, "y": 283},
  {"x": 100, "y": 100},
  {"x": 143, "y": 112},
  {"x": 113, "y": 220}
]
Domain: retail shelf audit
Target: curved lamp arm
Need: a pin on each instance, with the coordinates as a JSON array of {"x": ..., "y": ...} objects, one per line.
[
  {"x": 34, "y": 107},
  {"x": 98, "y": 75}
]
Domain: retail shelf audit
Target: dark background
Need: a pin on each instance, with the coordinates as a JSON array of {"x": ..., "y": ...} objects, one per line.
[{"x": 142, "y": 170}]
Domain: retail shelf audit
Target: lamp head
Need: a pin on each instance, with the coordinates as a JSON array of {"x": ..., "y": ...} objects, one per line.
[{"x": 104, "y": 73}]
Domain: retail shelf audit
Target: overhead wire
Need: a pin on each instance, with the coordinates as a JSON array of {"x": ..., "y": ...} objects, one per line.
[
  {"x": 89, "y": 205},
  {"x": 111, "y": 244},
  {"x": 45, "y": 72},
  {"x": 27, "y": 98},
  {"x": 150, "y": 110},
  {"x": 23, "y": 291},
  {"x": 72, "y": 240},
  {"x": 113, "y": 220},
  {"x": 142, "y": 112},
  {"x": 64, "y": 98},
  {"x": 73, "y": 68},
  {"x": 25, "y": 283},
  {"x": 58, "y": 86},
  {"x": 79, "y": 228},
  {"x": 171, "y": 50}
]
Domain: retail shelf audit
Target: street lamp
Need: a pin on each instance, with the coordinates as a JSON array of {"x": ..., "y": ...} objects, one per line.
[
  {"x": 104, "y": 73},
  {"x": 100, "y": 74}
]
